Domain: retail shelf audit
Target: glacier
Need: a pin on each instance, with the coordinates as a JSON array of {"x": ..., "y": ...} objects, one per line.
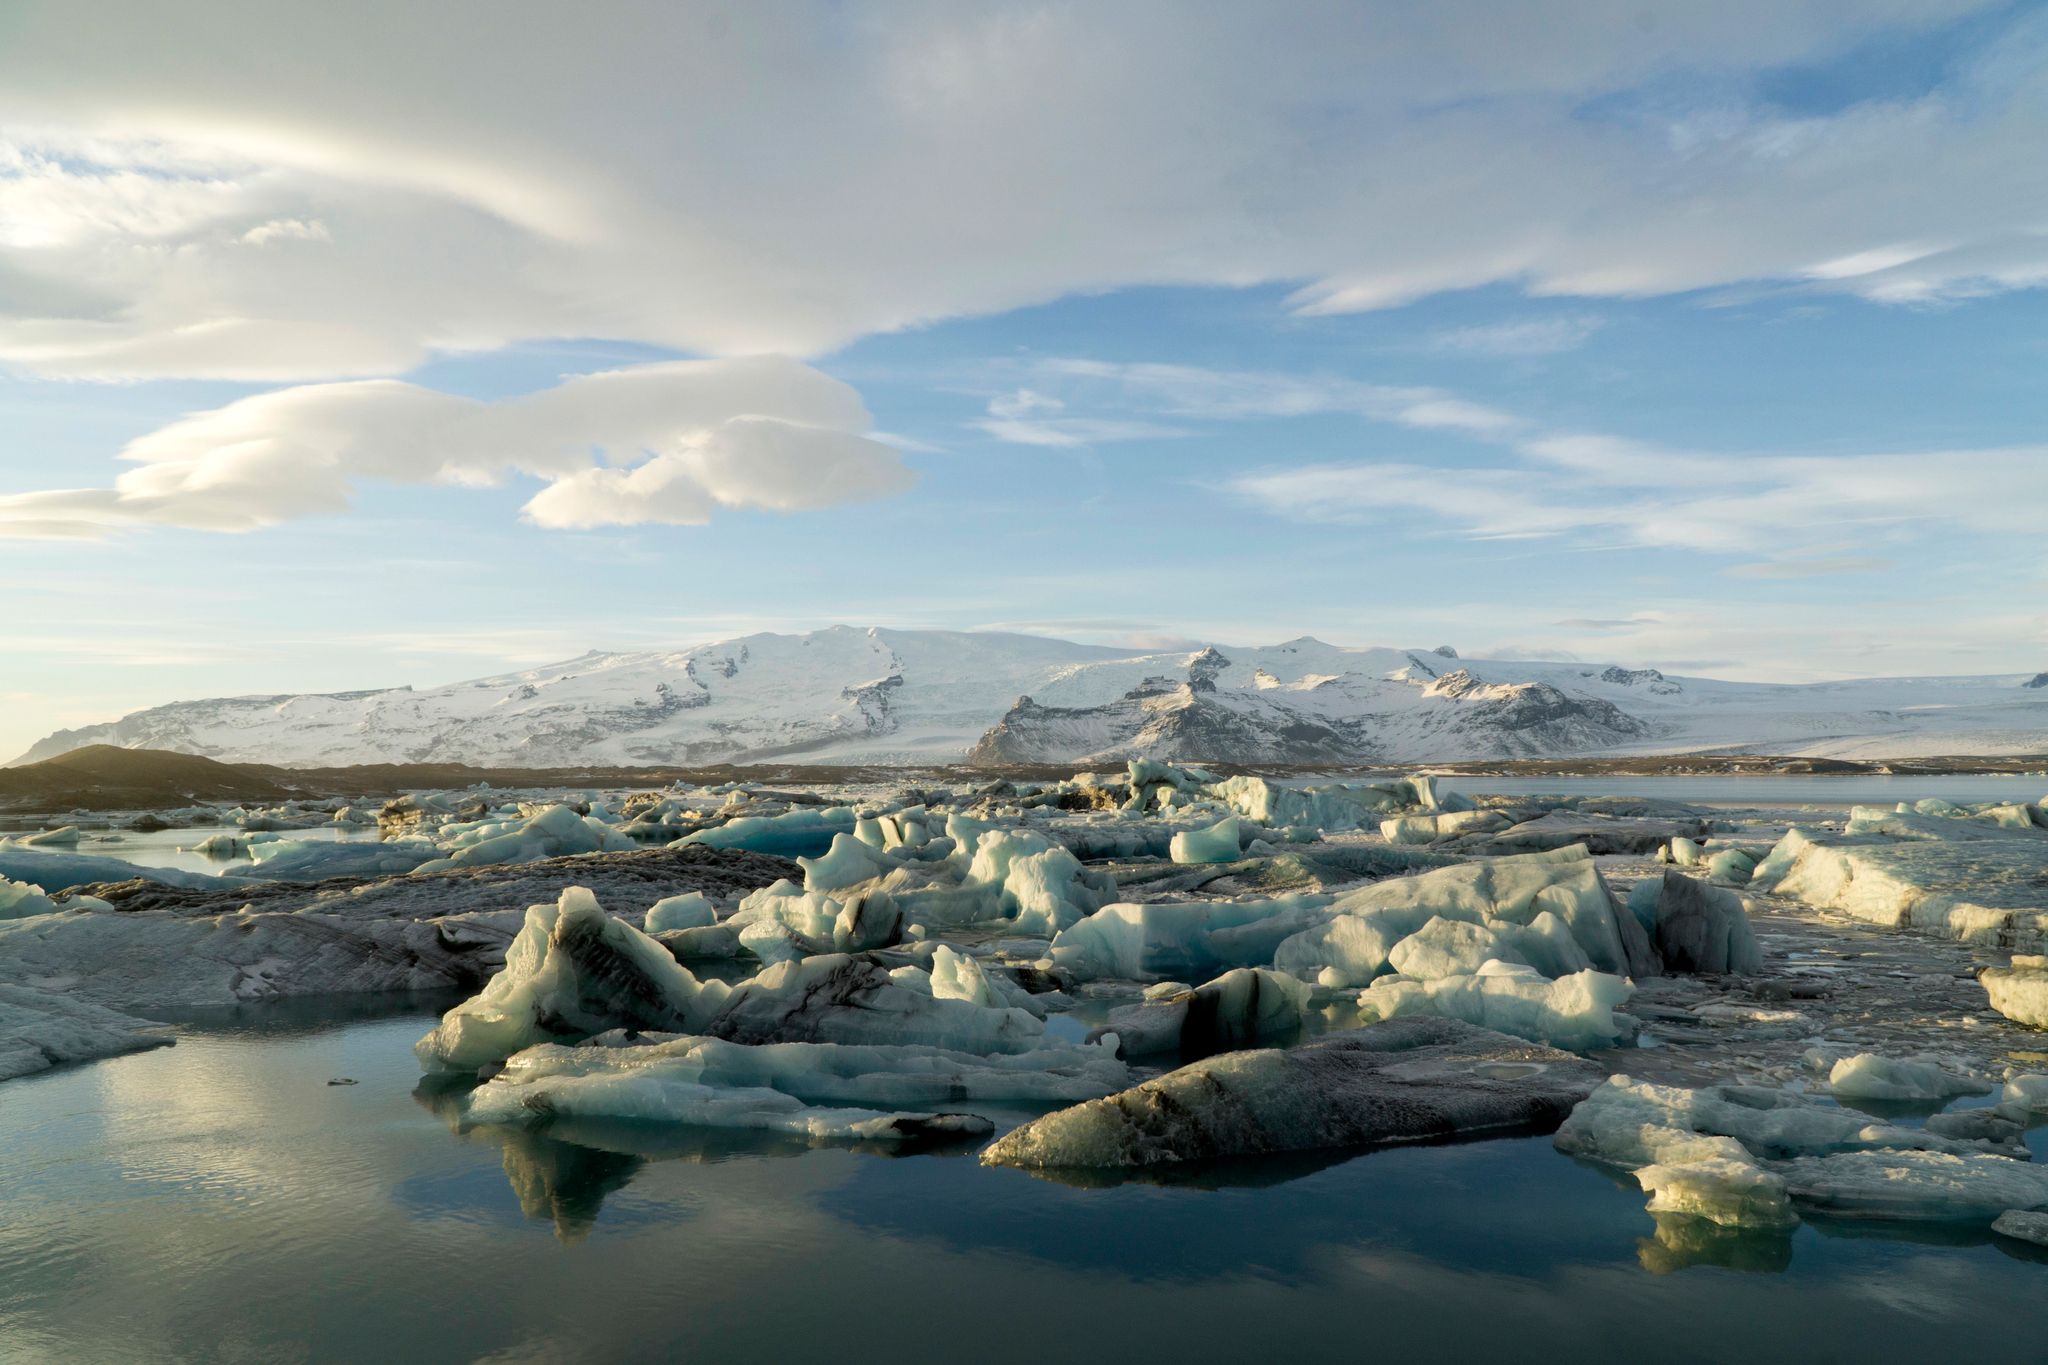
[{"x": 847, "y": 695}]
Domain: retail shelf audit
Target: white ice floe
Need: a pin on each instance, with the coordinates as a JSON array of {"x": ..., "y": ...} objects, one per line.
[
  {"x": 56, "y": 871},
  {"x": 1328, "y": 808},
  {"x": 307, "y": 860},
  {"x": 40, "y": 1029},
  {"x": 1958, "y": 878},
  {"x": 537, "y": 1096},
  {"x": 1828, "y": 1159},
  {"x": 1867, "y": 1076},
  {"x": 2019, "y": 991},
  {"x": 551, "y": 831},
  {"x": 690, "y": 910},
  {"x": 19, "y": 900},
  {"x": 1429, "y": 829},
  {"x": 814, "y": 1073},
  {"x": 1575, "y": 1012},
  {"x": 1715, "y": 1179}
]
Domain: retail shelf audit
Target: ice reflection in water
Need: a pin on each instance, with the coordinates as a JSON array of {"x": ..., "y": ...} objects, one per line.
[{"x": 231, "y": 1203}]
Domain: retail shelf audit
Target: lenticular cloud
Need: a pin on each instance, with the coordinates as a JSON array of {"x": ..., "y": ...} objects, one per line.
[{"x": 665, "y": 443}]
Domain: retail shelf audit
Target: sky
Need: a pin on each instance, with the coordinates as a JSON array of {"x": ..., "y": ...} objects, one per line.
[{"x": 350, "y": 346}]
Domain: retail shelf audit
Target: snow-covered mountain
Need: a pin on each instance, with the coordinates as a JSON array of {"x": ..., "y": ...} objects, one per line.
[{"x": 884, "y": 696}]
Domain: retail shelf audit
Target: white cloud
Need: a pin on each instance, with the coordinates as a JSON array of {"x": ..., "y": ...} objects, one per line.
[
  {"x": 682, "y": 437},
  {"x": 786, "y": 178}
]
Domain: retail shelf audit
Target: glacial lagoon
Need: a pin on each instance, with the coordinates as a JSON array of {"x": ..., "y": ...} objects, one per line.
[{"x": 220, "y": 1200}]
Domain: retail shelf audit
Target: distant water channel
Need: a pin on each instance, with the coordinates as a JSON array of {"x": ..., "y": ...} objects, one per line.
[
  {"x": 1746, "y": 789},
  {"x": 220, "y": 1201},
  {"x": 175, "y": 848}
]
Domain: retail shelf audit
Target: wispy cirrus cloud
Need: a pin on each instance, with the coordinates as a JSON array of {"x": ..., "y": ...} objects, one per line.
[
  {"x": 170, "y": 207},
  {"x": 1518, "y": 337}
]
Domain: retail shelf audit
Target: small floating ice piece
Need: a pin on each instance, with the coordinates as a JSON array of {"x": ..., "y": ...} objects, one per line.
[
  {"x": 2022, "y": 1226},
  {"x": 1714, "y": 1178}
]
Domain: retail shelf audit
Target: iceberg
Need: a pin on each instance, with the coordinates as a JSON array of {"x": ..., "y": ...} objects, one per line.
[
  {"x": 849, "y": 862},
  {"x": 840, "y": 998},
  {"x": 1353, "y": 943},
  {"x": 1428, "y": 829},
  {"x": 802, "y": 830},
  {"x": 1715, "y": 1179},
  {"x": 1221, "y": 842},
  {"x": 1175, "y": 940},
  {"x": 1700, "y": 928},
  {"x": 56, "y": 871},
  {"x": 1407, "y": 1081},
  {"x": 307, "y": 860},
  {"x": 1241, "y": 1007},
  {"x": 572, "y": 972},
  {"x": 1332, "y": 808}
]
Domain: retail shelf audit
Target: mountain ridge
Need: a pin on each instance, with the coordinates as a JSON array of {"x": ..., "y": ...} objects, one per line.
[{"x": 881, "y": 695}]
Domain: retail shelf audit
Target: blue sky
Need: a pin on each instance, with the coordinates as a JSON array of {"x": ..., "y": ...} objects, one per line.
[{"x": 1711, "y": 342}]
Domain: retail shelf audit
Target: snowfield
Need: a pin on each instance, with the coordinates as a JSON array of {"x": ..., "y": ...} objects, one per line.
[{"x": 910, "y": 696}]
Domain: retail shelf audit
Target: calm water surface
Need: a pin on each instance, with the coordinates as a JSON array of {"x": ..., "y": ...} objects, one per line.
[{"x": 220, "y": 1201}]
